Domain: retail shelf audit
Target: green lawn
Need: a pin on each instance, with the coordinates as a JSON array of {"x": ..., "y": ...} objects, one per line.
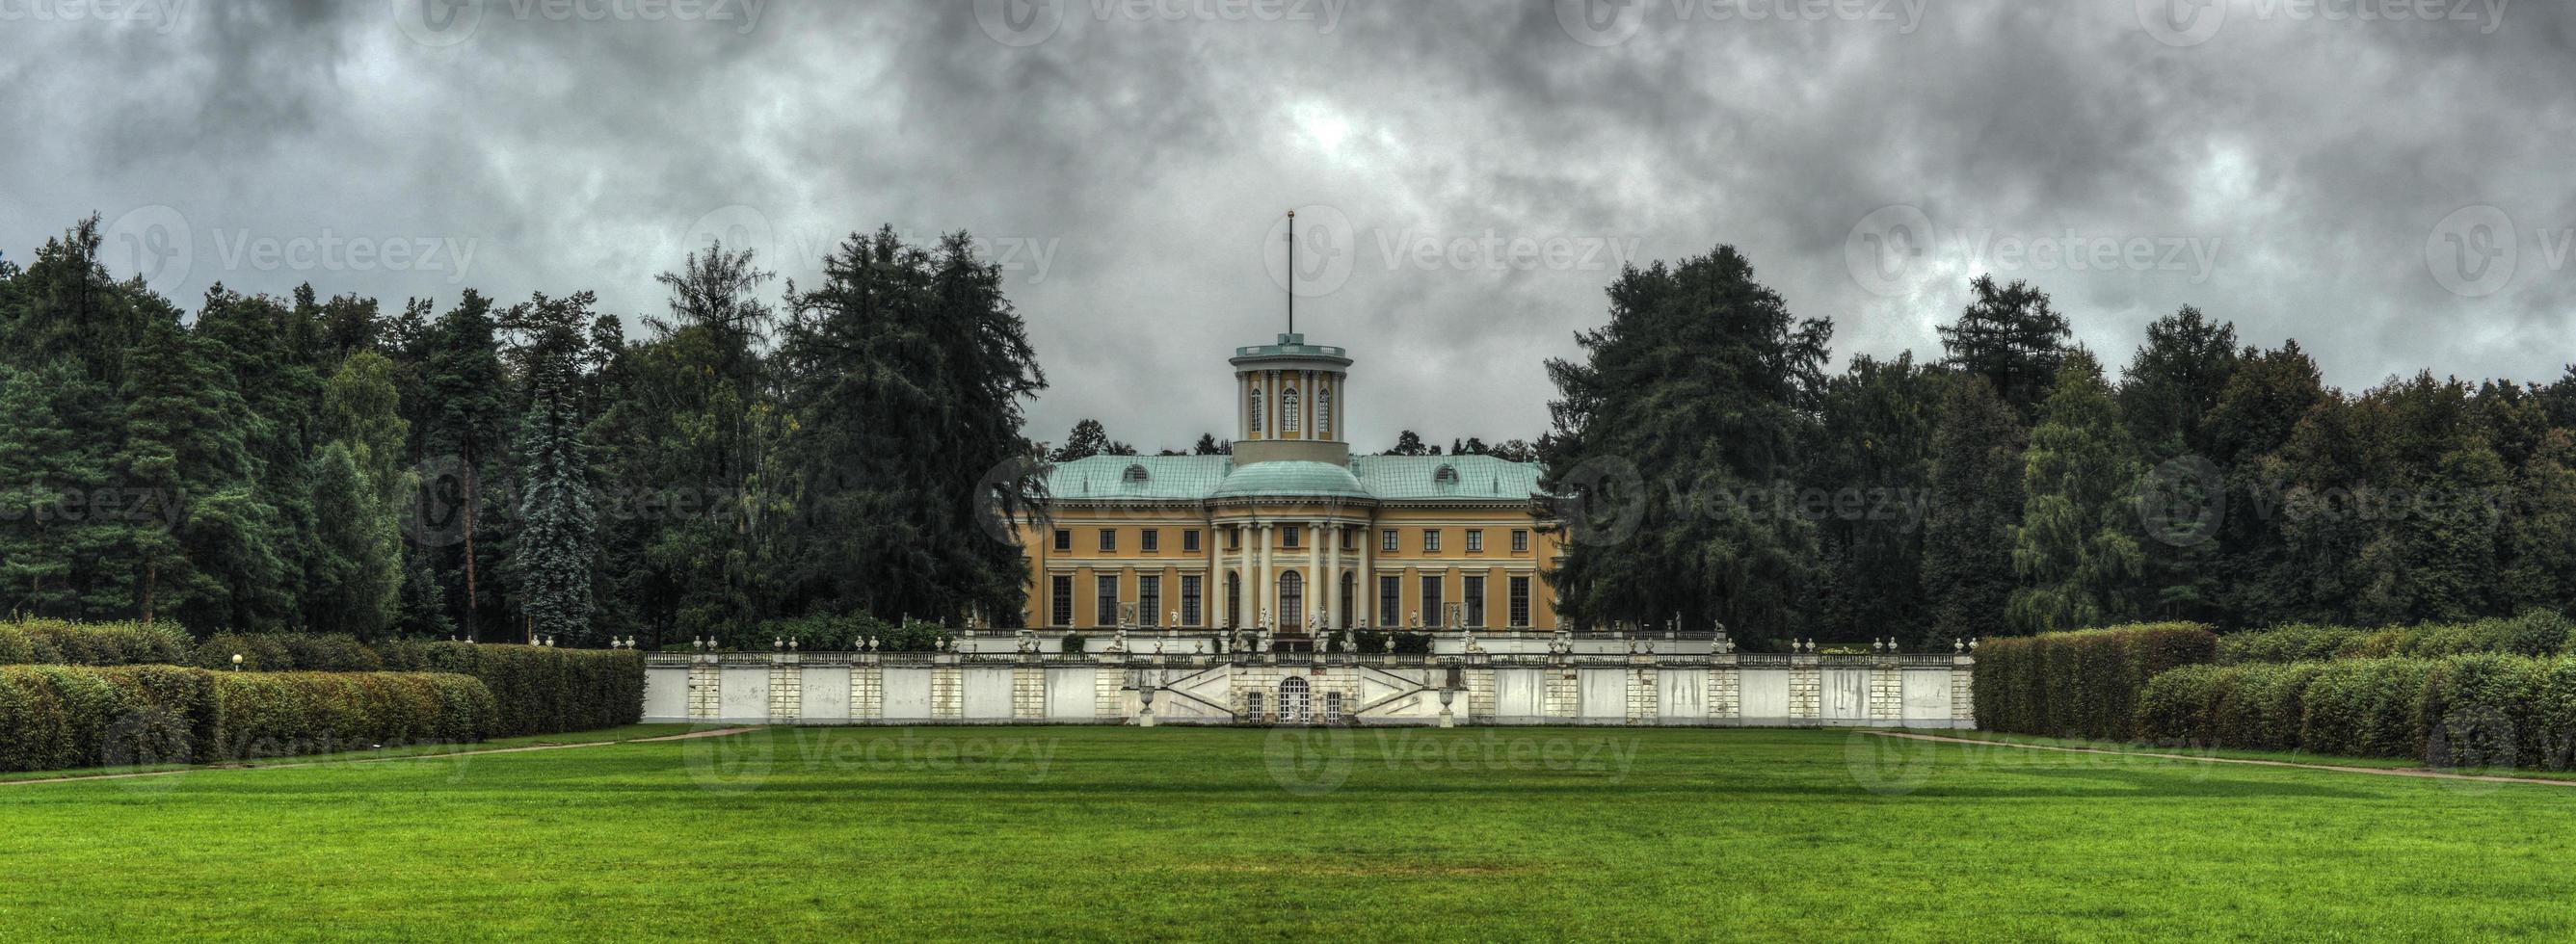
[{"x": 1183, "y": 833}]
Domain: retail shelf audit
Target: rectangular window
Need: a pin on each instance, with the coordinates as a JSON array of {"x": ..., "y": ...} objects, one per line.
[
  {"x": 1386, "y": 540},
  {"x": 1105, "y": 613},
  {"x": 1234, "y": 539},
  {"x": 1151, "y": 541},
  {"x": 1190, "y": 598},
  {"x": 1350, "y": 539},
  {"x": 1063, "y": 539},
  {"x": 1520, "y": 541},
  {"x": 1149, "y": 599},
  {"x": 1390, "y": 601},
  {"x": 1190, "y": 540},
  {"x": 1475, "y": 540},
  {"x": 1520, "y": 601},
  {"x": 1430, "y": 540},
  {"x": 1431, "y": 600},
  {"x": 1474, "y": 591},
  {"x": 1108, "y": 539},
  {"x": 1060, "y": 594},
  {"x": 1288, "y": 536}
]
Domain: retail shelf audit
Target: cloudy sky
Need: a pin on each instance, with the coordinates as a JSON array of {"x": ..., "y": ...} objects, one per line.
[{"x": 2384, "y": 181}]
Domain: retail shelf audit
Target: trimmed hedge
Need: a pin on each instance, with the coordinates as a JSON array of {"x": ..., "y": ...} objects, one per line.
[
  {"x": 2080, "y": 684},
  {"x": 57, "y": 717},
  {"x": 544, "y": 690},
  {"x": 2478, "y": 710},
  {"x": 2533, "y": 633},
  {"x": 57, "y": 642}
]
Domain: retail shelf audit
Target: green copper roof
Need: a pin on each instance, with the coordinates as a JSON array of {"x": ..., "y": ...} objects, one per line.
[
  {"x": 1292, "y": 345},
  {"x": 1429, "y": 479},
  {"x": 1290, "y": 480}
]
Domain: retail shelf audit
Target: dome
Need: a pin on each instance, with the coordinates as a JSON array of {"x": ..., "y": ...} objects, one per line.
[{"x": 1290, "y": 480}]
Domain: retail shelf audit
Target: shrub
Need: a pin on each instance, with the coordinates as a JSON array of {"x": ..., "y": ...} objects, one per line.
[
  {"x": 2179, "y": 708},
  {"x": 2261, "y": 707},
  {"x": 545, "y": 690},
  {"x": 56, "y": 717},
  {"x": 2366, "y": 708},
  {"x": 60, "y": 642},
  {"x": 2484, "y": 710},
  {"x": 2302, "y": 642},
  {"x": 2534, "y": 632},
  {"x": 279, "y": 714},
  {"x": 1074, "y": 642},
  {"x": 2080, "y": 684}
]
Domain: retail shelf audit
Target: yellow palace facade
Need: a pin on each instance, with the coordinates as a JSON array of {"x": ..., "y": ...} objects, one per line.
[{"x": 1291, "y": 532}]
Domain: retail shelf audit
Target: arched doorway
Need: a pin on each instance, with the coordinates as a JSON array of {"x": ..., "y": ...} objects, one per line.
[
  {"x": 1295, "y": 701},
  {"x": 1292, "y": 601},
  {"x": 1350, "y": 589}
]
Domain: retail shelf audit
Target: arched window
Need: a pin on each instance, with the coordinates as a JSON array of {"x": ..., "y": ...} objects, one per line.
[
  {"x": 1445, "y": 478},
  {"x": 1294, "y": 700},
  {"x": 1292, "y": 600},
  {"x": 1288, "y": 410},
  {"x": 1233, "y": 600},
  {"x": 1350, "y": 589},
  {"x": 1135, "y": 476},
  {"x": 1324, "y": 411},
  {"x": 1256, "y": 411}
]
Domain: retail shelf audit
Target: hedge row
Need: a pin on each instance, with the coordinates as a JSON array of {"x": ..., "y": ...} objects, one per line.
[
  {"x": 57, "y": 642},
  {"x": 2482, "y": 710},
  {"x": 2080, "y": 684},
  {"x": 2534, "y": 633},
  {"x": 544, "y": 690},
  {"x": 57, "y": 717},
  {"x": 541, "y": 689}
]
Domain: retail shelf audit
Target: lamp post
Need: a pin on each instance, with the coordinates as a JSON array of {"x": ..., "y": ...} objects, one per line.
[{"x": 237, "y": 661}]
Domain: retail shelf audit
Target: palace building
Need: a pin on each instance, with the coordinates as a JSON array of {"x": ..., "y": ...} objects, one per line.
[{"x": 1292, "y": 527}]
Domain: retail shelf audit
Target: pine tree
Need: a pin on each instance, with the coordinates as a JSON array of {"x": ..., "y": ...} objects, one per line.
[
  {"x": 464, "y": 441},
  {"x": 1874, "y": 444},
  {"x": 2011, "y": 337},
  {"x": 361, "y": 483},
  {"x": 552, "y": 554},
  {"x": 188, "y": 431},
  {"x": 2076, "y": 552},
  {"x": 1974, "y": 501},
  {"x": 1702, "y": 375},
  {"x": 908, "y": 371}
]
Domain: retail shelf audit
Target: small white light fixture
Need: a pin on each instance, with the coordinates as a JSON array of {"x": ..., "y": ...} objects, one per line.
[{"x": 237, "y": 661}]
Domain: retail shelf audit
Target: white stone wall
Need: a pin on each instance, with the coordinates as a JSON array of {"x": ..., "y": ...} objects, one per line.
[{"x": 1802, "y": 690}]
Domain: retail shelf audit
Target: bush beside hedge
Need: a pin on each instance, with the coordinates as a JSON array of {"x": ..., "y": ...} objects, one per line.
[
  {"x": 2533, "y": 633},
  {"x": 2479, "y": 710},
  {"x": 57, "y": 642},
  {"x": 2080, "y": 684},
  {"x": 544, "y": 690},
  {"x": 57, "y": 717}
]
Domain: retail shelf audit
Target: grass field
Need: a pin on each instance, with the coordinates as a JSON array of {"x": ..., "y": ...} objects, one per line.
[{"x": 1180, "y": 833}]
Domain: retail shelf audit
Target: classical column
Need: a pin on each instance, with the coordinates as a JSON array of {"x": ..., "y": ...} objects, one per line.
[
  {"x": 1367, "y": 582},
  {"x": 1260, "y": 577},
  {"x": 1315, "y": 564},
  {"x": 1333, "y": 580},
  {"x": 1214, "y": 581}
]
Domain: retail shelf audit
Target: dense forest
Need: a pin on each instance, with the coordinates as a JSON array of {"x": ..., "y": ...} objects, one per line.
[
  {"x": 1711, "y": 466},
  {"x": 506, "y": 470}
]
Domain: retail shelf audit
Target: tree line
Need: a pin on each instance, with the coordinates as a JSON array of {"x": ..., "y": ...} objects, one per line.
[
  {"x": 1707, "y": 464},
  {"x": 504, "y": 471}
]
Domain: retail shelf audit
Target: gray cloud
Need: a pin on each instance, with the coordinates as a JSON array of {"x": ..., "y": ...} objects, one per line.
[{"x": 1133, "y": 167}]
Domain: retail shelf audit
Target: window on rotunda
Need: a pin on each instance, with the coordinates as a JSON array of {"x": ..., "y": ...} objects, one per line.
[{"x": 1288, "y": 410}]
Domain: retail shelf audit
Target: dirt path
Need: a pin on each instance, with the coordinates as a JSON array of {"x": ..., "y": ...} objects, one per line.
[
  {"x": 718, "y": 732},
  {"x": 2382, "y": 771}
]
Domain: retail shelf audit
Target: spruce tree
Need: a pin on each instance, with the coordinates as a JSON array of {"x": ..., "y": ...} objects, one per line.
[
  {"x": 2076, "y": 551},
  {"x": 2010, "y": 336},
  {"x": 552, "y": 553},
  {"x": 1974, "y": 501}
]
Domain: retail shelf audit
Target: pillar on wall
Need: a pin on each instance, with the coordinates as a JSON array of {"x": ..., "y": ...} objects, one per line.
[
  {"x": 1642, "y": 690},
  {"x": 947, "y": 688},
  {"x": 867, "y": 688},
  {"x": 705, "y": 686},
  {"x": 1028, "y": 691},
  {"x": 1886, "y": 692},
  {"x": 1806, "y": 690},
  {"x": 1563, "y": 697},
  {"x": 1480, "y": 692},
  {"x": 1108, "y": 686},
  {"x": 1963, "y": 691},
  {"x": 1725, "y": 689},
  {"x": 786, "y": 688}
]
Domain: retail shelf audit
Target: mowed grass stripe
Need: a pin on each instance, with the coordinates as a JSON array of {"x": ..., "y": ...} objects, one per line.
[{"x": 1178, "y": 833}]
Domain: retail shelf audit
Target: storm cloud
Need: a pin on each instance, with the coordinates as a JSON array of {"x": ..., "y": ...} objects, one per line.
[{"x": 2380, "y": 179}]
